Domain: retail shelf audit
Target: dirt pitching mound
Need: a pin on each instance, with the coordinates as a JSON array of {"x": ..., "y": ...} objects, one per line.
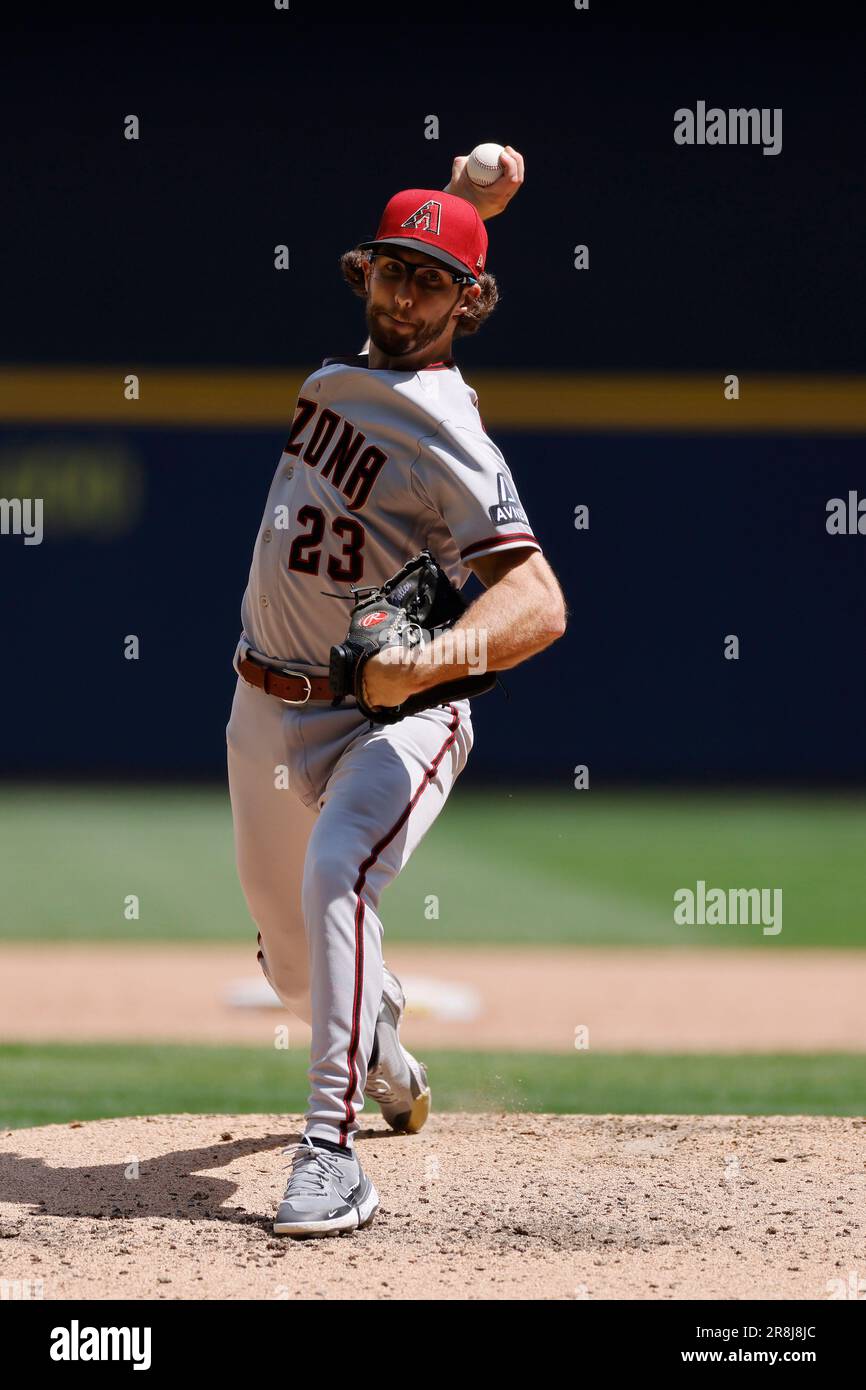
[{"x": 476, "y": 1206}]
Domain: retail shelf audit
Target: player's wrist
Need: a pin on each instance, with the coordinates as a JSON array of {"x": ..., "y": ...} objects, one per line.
[
  {"x": 467, "y": 191},
  {"x": 434, "y": 663},
  {"x": 387, "y": 678}
]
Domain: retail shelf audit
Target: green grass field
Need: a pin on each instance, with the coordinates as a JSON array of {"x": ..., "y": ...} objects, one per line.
[
  {"x": 571, "y": 867},
  {"x": 53, "y": 1084}
]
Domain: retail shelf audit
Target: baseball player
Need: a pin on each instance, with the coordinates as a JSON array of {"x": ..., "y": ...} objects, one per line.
[{"x": 386, "y": 456}]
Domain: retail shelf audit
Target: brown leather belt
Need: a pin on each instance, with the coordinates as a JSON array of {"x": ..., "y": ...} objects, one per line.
[{"x": 295, "y": 690}]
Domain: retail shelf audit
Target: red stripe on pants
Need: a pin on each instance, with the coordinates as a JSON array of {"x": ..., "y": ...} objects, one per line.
[{"x": 355, "y": 1036}]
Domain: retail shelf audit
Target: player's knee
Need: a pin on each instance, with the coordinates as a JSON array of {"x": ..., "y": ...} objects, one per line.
[{"x": 288, "y": 979}]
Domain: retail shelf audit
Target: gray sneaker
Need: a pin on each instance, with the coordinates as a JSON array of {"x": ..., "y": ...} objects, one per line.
[
  {"x": 397, "y": 1081},
  {"x": 326, "y": 1192}
]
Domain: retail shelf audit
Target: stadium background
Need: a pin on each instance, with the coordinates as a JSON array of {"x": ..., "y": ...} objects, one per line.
[{"x": 602, "y": 387}]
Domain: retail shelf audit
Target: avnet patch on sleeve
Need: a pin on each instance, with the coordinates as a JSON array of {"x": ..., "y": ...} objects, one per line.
[{"x": 507, "y": 507}]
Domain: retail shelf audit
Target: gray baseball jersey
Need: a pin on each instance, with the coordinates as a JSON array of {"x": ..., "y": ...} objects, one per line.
[
  {"x": 328, "y": 807},
  {"x": 378, "y": 465}
]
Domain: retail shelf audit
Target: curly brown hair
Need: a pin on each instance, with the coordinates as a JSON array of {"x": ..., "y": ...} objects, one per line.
[{"x": 478, "y": 310}]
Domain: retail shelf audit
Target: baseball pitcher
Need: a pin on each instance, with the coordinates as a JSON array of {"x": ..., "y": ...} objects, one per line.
[{"x": 358, "y": 658}]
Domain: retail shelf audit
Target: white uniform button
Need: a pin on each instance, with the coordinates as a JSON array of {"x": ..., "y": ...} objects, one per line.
[
  {"x": 266, "y": 535},
  {"x": 290, "y": 472},
  {"x": 264, "y": 600}
]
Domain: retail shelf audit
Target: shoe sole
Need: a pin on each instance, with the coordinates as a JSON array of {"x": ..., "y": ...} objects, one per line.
[
  {"x": 411, "y": 1120},
  {"x": 356, "y": 1219},
  {"x": 416, "y": 1118}
]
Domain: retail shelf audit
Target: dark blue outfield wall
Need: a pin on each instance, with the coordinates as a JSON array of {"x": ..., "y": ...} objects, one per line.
[{"x": 690, "y": 539}]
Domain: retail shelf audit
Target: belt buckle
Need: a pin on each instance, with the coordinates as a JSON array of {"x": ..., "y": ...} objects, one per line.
[{"x": 304, "y": 677}]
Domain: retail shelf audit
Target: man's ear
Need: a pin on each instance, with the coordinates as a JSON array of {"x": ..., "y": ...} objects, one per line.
[{"x": 472, "y": 292}]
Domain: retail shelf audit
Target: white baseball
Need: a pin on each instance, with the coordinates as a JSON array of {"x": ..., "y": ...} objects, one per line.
[{"x": 482, "y": 166}]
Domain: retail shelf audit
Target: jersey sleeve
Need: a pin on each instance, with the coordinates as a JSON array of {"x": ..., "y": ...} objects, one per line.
[{"x": 461, "y": 474}]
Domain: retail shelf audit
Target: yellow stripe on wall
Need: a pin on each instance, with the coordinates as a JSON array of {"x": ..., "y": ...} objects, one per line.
[
  {"x": 174, "y": 396},
  {"x": 511, "y": 400},
  {"x": 573, "y": 401}
]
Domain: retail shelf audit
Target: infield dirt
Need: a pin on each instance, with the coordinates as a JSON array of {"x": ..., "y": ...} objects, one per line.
[
  {"x": 653, "y": 1000},
  {"x": 475, "y": 1206}
]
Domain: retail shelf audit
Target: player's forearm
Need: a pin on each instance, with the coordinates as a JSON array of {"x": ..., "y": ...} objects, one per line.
[{"x": 510, "y": 622}]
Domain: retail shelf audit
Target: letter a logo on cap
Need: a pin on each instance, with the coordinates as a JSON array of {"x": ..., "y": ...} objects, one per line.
[{"x": 426, "y": 218}]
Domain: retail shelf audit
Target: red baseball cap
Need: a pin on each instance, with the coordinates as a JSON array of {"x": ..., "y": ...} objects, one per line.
[{"x": 447, "y": 226}]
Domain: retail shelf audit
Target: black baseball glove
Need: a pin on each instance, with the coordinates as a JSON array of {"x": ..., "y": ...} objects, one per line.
[{"x": 406, "y": 610}]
